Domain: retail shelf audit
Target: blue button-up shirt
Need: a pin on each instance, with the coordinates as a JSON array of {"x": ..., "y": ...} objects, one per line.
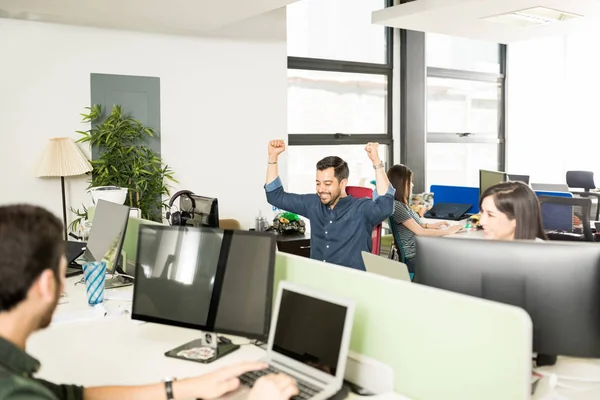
[{"x": 337, "y": 235}]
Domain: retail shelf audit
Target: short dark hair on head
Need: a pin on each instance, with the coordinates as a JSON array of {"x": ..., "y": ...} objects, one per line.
[
  {"x": 520, "y": 203},
  {"x": 400, "y": 176},
  {"x": 31, "y": 241},
  {"x": 340, "y": 167}
]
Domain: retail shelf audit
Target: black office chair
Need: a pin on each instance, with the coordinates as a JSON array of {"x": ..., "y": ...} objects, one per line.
[
  {"x": 584, "y": 180},
  {"x": 578, "y": 207}
]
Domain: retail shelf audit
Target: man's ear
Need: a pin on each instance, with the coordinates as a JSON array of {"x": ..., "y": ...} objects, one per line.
[
  {"x": 343, "y": 184},
  {"x": 45, "y": 286}
]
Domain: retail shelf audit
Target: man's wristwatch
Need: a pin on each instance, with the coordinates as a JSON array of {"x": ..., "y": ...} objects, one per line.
[
  {"x": 380, "y": 165},
  {"x": 169, "y": 387}
]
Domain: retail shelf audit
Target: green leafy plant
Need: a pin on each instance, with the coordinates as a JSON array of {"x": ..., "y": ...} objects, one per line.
[{"x": 125, "y": 160}]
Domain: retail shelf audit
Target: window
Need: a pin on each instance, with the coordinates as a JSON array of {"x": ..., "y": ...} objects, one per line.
[
  {"x": 339, "y": 88},
  {"x": 336, "y": 30},
  {"x": 462, "y": 54},
  {"x": 324, "y": 102},
  {"x": 304, "y": 159},
  {"x": 465, "y": 109}
]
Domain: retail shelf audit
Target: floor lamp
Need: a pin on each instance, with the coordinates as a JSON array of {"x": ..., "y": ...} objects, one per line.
[{"x": 62, "y": 158}]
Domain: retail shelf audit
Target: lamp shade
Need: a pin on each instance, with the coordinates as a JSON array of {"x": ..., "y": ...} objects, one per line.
[{"x": 62, "y": 157}]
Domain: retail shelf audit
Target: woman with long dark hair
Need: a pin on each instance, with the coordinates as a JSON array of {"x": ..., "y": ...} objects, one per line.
[
  {"x": 408, "y": 221},
  {"x": 511, "y": 211}
]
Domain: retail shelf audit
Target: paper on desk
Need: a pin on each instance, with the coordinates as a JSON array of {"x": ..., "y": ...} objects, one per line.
[{"x": 93, "y": 313}]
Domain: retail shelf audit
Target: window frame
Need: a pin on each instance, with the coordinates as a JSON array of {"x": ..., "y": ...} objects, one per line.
[{"x": 329, "y": 65}]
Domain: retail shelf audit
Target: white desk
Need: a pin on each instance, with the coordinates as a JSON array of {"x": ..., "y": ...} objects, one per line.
[
  {"x": 83, "y": 346},
  {"x": 114, "y": 349}
]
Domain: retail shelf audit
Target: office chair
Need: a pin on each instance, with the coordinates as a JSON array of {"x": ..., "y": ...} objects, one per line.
[
  {"x": 584, "y": 180},
  {"x": 579, "y": 208},
  {"x": 360, "y": 192}
]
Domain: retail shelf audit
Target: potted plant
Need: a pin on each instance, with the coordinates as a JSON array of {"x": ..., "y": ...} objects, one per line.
[{"x": 125, "y": 161}]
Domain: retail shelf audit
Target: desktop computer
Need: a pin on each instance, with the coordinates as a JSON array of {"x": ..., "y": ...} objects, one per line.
[
  {"x": 558, "y": 284},
  {"x": 490, "y": 178},
  {"x": 208, "y": 279},
  {"x": 206, "y": 210}
]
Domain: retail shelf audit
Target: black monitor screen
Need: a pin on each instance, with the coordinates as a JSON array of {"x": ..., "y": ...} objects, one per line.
[
  {"x": 175, "y": 274},
  {"x": 205, "y": 278},
  {"x": 205, "y": 210},
  {"x": 310, "y": 330},
  {"x": 247, "y": 289}
]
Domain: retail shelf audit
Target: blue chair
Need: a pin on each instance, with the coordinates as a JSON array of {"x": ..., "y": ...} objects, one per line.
[{"x": 556, "y": 217}]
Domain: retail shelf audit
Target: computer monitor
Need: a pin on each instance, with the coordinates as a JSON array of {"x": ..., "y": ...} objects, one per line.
[
  {"x": 519, "y": 178},
  {"x": 105, "y": 241},
  {"x": 207, "y": 279},
  {"x": 489, "y": 178},
  {"x": 206, "y": 210},
  {"x": 557, "y": 283}
]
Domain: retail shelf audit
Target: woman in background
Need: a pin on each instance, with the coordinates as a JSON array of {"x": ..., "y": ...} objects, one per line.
[
  {"x": 511, "y": 211},
  {"x": 408, "y": 221}
]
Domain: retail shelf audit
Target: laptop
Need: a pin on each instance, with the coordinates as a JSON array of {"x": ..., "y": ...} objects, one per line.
[
  {"x": 448, "y": 211},
  {"x": 309, "y": 341},
  {"x": 73, "y": 251},
  {"x": 384, "y": 266}
]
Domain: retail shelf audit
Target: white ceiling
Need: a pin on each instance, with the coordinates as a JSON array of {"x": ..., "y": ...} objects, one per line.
[
  {"x": 184, "y": 17},
  {"x": 463, "y": 18}
]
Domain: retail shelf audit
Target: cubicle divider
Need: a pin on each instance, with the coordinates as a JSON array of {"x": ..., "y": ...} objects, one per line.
[
  {"x": 456, "y": 194},
  {"x": 441, "y": 345}
]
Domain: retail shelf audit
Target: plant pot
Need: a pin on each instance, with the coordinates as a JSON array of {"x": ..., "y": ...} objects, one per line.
[{"x": 113, "y": 194}]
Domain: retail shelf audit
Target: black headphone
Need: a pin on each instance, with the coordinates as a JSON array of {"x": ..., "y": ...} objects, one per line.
[{"x": 181, "y": 217}]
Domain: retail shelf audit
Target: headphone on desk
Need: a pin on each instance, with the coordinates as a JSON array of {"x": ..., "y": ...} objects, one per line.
[{"x": 181, "y": 217}]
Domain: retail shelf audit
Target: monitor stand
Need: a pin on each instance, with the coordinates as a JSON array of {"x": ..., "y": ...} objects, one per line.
[
  {"x": 205, "y": 350},
  {"x": 119, "y": 278}
]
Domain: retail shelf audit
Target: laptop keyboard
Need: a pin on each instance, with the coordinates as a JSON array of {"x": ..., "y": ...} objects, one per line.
[{"x": 306, "y": 390}]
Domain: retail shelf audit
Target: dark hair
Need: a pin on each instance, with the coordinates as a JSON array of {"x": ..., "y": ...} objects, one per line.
[
  {"x": 340, "y": 167},
  {"x": 519, "y": 203},
  {"x": 31, "y": 241},
  {"x": 400, "y": 177}
]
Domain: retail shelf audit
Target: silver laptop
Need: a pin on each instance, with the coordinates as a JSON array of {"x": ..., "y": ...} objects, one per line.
[
  {"x": 384, "y": 266},
  {"x": 309, "y": 341}
]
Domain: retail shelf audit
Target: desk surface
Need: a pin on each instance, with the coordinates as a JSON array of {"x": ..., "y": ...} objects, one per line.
[
  {"x": 93, "y": 346},
  {"x": 98, "y": 346}
]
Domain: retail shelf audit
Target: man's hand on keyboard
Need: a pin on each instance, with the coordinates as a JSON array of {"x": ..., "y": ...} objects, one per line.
[
  {"x": 215, "y": 384},
  {"x": 274, "y": 387}
]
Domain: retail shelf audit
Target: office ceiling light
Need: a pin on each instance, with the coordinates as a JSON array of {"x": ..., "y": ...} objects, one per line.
[{"x": 535, "y": 16}]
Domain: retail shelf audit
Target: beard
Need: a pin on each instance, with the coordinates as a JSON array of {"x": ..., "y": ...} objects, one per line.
[{"x": 331, "y": 199}]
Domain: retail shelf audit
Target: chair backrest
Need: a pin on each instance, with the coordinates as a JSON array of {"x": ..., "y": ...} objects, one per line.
[
  {"x": 581, "y": 180},
  {"x": 579, "y": 207},
  {"x": 360, "y": 192},
  {"x": 556, "y": 216},
  {"x": 396, "y": 236}
]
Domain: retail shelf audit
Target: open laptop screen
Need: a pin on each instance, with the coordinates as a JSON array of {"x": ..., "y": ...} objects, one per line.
[{"x": 310, "y": 330}]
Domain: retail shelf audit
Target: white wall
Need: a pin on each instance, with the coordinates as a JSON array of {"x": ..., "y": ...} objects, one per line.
[
  {"x": 222, "y": 98},
  {"x": 553, "y": 109}
]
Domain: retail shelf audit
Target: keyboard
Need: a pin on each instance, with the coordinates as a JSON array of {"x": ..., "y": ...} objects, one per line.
[{"x": 306, "y": 390}]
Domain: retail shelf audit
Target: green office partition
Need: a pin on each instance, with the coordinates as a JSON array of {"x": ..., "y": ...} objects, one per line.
[{"x": 441, "y": 345}]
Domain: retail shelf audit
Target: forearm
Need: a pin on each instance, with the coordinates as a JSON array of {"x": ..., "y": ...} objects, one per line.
[
  {"x": 181, "y": 390},
  {"x": 272, "y": 169},
  {"x": 381, "y": 179},
  {"x": 430, "y": 232}
]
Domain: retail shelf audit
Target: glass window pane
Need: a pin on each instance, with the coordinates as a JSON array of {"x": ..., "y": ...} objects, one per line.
[
  {"x": 336, "y": 102},
  {"x": 302, "y": 161},
  {"x": 458, "y": 106},
  {"x": 458, "y": 164},
  {"x": 462, "y": 53},
  {"x": 336, "y": 30}
]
